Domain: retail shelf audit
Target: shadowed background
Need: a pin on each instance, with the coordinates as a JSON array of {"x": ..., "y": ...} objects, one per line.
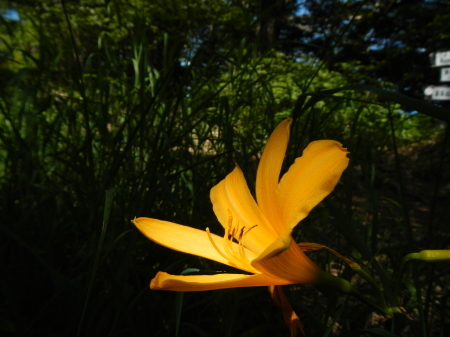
[{"x": 145, "y": 106}]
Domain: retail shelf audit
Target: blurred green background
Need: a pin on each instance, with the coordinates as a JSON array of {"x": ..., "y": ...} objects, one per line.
[{"x": 143, "y": 106}]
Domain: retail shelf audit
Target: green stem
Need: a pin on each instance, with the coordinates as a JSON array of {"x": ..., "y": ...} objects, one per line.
[
  {"x": 361, "y": 272},
  {"x": 441, "y": 255},
  {"x": 358, "y": 270},
  {"x": 345, "y": 287},
  {"x": 407, "y": 221},
  {"x": 106, "y": 212}
]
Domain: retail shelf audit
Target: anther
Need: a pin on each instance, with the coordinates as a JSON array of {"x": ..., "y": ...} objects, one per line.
[
  {"x": 241, "y": 234},
  {"x": 248, "y": 230}
]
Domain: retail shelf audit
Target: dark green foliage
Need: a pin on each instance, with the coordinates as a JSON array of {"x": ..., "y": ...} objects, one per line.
[{"x": 373, "y": 41}]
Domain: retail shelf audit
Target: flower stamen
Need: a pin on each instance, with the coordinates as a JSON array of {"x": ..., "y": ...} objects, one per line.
[
  {"x": 214, "y": 245},
  {"x": 241, "y": 243},
  {"x": 234, "y": 234}
]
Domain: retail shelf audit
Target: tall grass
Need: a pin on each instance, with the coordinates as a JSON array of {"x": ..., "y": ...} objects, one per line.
[{"x": 160, "y": 133}]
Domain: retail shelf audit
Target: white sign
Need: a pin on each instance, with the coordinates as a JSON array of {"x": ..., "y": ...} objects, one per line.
[
  {"x": 445, "y": 74},
  {"x": 428, "y": 91},
  {"x": 438, "y": 93},
  {"x": 442, "y": 59}
]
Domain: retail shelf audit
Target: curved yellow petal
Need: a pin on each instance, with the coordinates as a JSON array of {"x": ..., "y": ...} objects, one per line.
[
  {"x": 291, "y": 264},
  {"x": 268, "y": 173},
  {"x": 310, "y": 179},
  {"x": 164, "y": 281},
  {"x": 233, "y": 202},
  {"x": 188, "y": 240}
]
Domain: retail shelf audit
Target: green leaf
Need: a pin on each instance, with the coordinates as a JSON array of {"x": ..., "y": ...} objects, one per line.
[{"x": 409, "y": 102}]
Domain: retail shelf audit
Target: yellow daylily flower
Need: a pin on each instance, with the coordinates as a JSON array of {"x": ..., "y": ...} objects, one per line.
[{"x": 257, "y": 235}]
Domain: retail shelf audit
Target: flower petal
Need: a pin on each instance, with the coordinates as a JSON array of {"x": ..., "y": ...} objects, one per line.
[
  {"x": 188, "y": 240},
  {"x": 291, "y": 264},
  {"x": 310, "y": 179},
  {"x": 231, "y": 199},
  {"x": 268, "y": 173},
  {"x": 290, "y": 317},
  {"x": 164, "y": 281},
  {"x": 279, "y": 245}
]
